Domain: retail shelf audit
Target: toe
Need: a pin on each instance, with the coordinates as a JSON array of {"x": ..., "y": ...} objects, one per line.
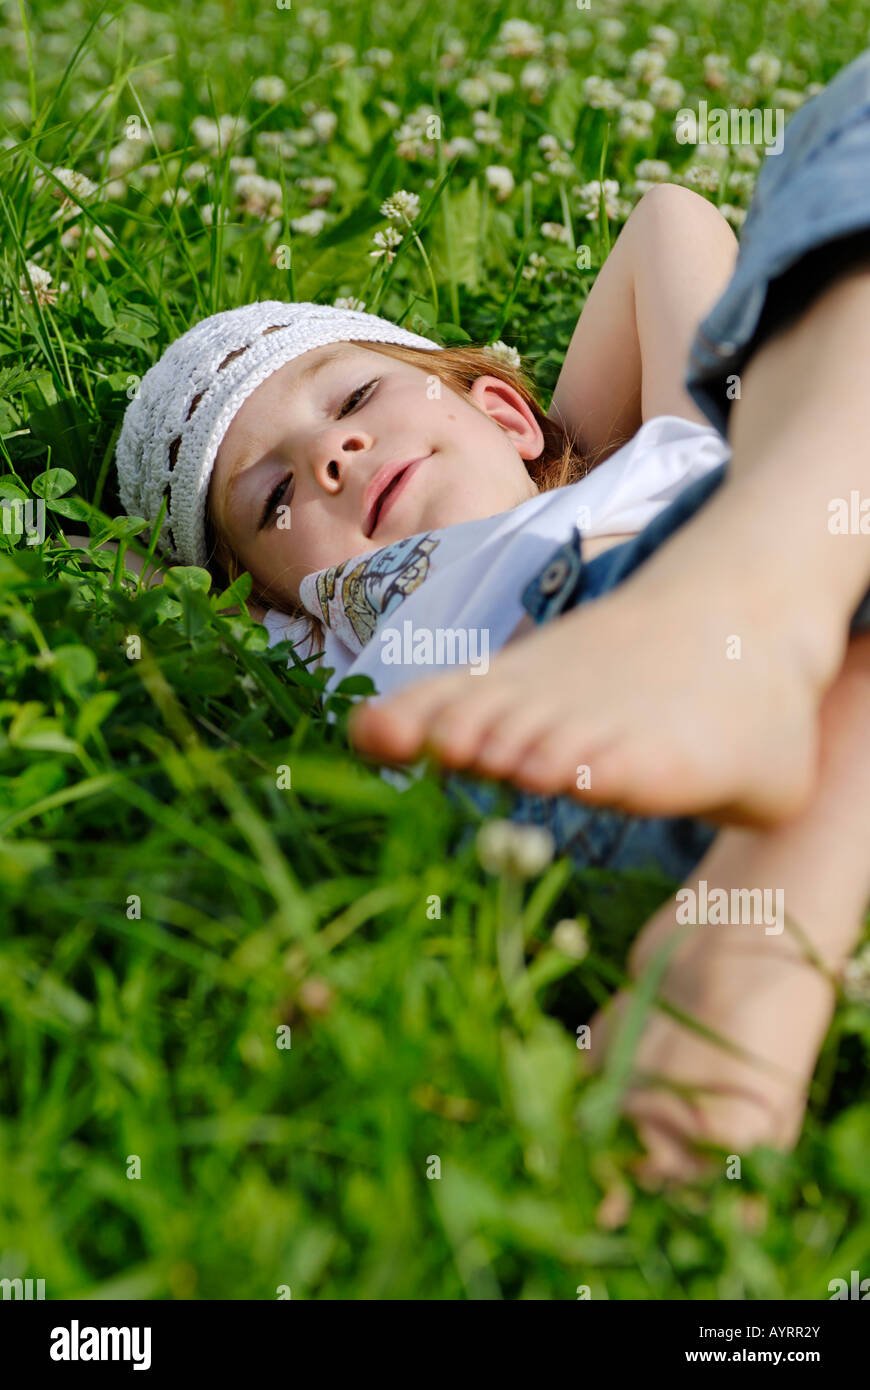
[
  {"x": 550, "y": 765},
  {"x": 395, "y": 727},
  {"x": 509, "y": 734},
  {"x": 459, "y": 727}
]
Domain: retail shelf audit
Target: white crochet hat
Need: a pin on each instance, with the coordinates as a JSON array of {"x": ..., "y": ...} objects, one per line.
[{"x": 173, "y": 427}]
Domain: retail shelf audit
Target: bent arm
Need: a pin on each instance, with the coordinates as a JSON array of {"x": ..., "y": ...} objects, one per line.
[{"x": 629, "y": 352}]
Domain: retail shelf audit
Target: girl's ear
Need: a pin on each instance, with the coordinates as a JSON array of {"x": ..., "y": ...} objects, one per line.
[{"x": 503, "y": 404}]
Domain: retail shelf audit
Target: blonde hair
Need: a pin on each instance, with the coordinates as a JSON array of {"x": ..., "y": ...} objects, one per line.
[{"x": 560, "y": 461}]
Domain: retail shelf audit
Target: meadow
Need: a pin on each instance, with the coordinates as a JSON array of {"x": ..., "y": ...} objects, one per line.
[{"x": 268, "y": 1026}]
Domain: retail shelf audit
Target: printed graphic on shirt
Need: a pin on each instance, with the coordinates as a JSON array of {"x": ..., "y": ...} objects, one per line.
[{"x": 353, "y": 600}]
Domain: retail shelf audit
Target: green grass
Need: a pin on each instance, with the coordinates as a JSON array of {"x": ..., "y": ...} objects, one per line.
[{"x": 167, "y": 905}]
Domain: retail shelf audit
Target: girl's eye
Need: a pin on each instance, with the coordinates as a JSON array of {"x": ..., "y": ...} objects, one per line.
[
  {"x": 274, "y": 498},
  {"x": 355, "y": 397}
]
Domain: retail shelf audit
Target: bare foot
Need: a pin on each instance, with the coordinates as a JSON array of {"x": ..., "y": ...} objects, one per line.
[
  {"x": 769, "y": 994},
  {"x": 689, "y": 1095},
  {"x": 694, "y": 687}
]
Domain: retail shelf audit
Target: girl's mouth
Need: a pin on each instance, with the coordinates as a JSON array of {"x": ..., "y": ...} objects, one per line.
[{"x": 395, "y": 486}]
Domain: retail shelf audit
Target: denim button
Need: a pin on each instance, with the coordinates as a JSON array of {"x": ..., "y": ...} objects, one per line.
[
  {"x": 552, "y": 588},
  {"x": 554, "y": 576}
]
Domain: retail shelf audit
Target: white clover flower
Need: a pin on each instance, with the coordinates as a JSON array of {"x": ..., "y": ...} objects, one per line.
[
  {"x": 522, "y": 851},
  {"x": 666, "y": 93},
  {"x": 401, "y": 207},
  {"x": 503, "y": 352},
  {"x": 413, "y": 136},
  {"x": 535, "y": 77},
  {"x": 487, "y": 128},
  {"x": 499, "y": 83},
  {"x": 787, "y": 98},
  {"x": 323, "y": 123},
  {"x": 310, "y": 223},
  {"x": 534, "y": 847},
  {"x": 580, "y": 40},
  {"x": 494, "y": 842},
  {"x": 570, "y": 938},
  {"x": 460, "y": 145},
  {"x": 243, "y": 164},
  {"x": 379, "y": 57},
  {"x": 114, "y": 190},
  {"x": 713, "y": 152},
  {"x": 180, "y": 195},
  {"x": 386, "y": 241},
  {"x": 635, "y": 120},
  {"x": 520, "y": 39},
  {"x": 195, "y": 172},
  {"x": 556, "y": 231},
  {"x": 276, "y": 142},
  {"x": 473, "y": 91},
  {"x": 747, "y": 156},
  {"x": 742, "y": 182},
  {"x": 500, "y": 179},
  {"x": 163, "y": 132},
  {"x": 856, "y": 977},
  {"x": 611, "y": 30},
  {"x": 535, "y": 265},
  {"x": 765, "y": 67},
  {"x": 215, "y": 135},
  {"x": 315, "y": 21},
  {"x": 601, "y": 93},
  {"x": 347, "y": 301},
  {"x": 456, "y": 47},
  {"x": 75, "y": 183},
  {"x": 549, "y": 146},
  {"x": 589, "y": 196},
  {"x": 125, "y": 156},
  {"x": 630, "y": 129},
  {"x": 319, "y": 187},
  {"x": 653, "y": 170},
  {"x": 340, "y": 53},
  {"x": 259, "y": 196},
  {"x": 701, "y": 177},
  {"x": 736, "y": 216},
  {"x": 661, "y": 37},
  {"x": 562, "y": 168},
  {"x": 42, "y": 289},
  {"x": 646, "y": 64},
  {"x": 269, "y": 89},
  {"x": 716, "y": 69}
]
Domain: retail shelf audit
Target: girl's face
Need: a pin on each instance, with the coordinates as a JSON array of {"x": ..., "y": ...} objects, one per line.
[{"x": 301, "y": 476}]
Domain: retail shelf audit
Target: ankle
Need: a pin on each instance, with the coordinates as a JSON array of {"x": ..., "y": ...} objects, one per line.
[{"x": 809, "y": 617}]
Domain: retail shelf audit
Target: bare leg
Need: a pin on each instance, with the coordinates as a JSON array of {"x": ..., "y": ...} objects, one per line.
[
  {"x": 758, "y": 990},
  {"x": 691, "y": 729}
]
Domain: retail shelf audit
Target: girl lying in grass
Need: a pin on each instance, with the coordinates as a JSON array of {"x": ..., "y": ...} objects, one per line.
[{"x": 692, "y": 651}]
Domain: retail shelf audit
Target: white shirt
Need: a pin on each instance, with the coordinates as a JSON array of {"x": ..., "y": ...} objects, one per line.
[{"x": 451, "y": 597}]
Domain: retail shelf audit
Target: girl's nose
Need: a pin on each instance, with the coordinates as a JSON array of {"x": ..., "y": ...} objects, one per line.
[{"x": 338, "y": 453}]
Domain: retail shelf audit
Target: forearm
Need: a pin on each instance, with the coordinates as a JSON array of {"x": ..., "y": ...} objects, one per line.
[{"x": 628, "y": 354}]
